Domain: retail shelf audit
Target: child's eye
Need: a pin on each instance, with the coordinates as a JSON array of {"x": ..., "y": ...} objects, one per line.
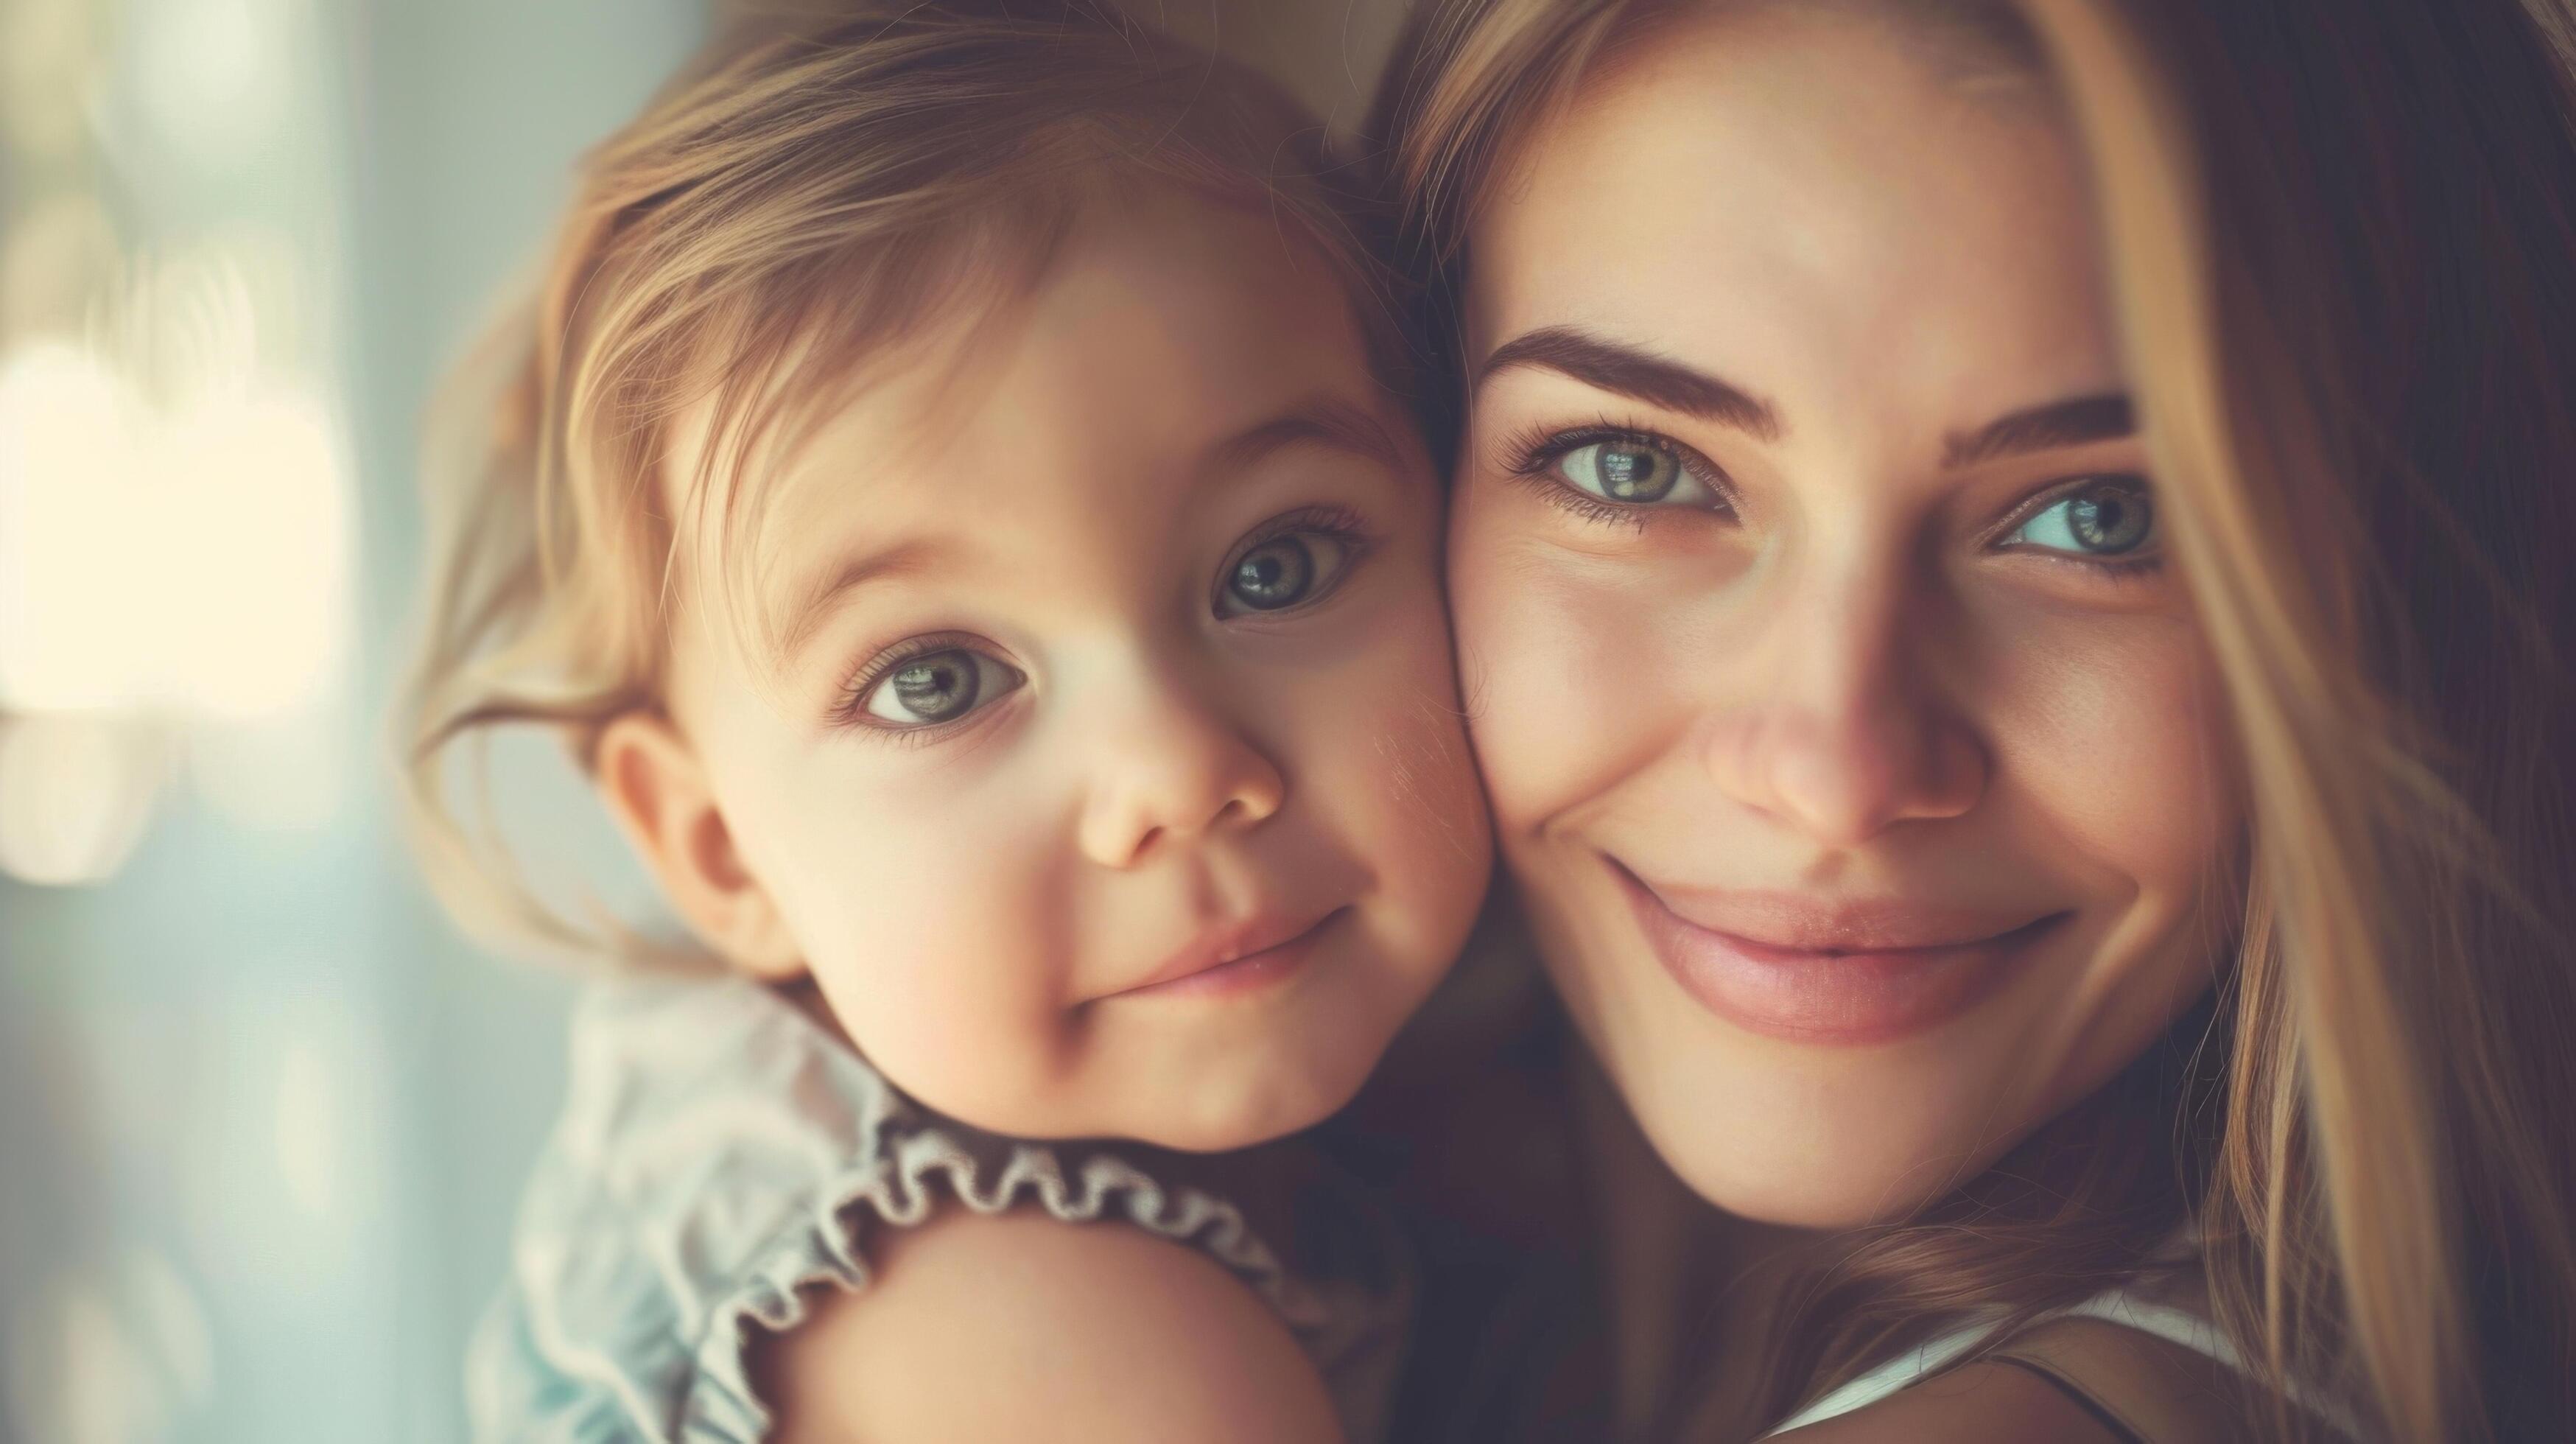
[
  {"x": 1289, "y": 563},
  {"x": 2101, "y": 516},
  {"x": 929, "y": 688}
]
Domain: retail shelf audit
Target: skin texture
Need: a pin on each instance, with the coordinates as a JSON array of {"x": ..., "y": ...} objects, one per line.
[
  {"x": 1063, "y": 492},
  {"x": 1104, "y": 1334},
  {"x": 1849, "y": 670}
]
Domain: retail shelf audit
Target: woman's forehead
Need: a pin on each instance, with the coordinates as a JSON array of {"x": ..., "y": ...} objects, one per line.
[{"x": 1801, "y": 206}]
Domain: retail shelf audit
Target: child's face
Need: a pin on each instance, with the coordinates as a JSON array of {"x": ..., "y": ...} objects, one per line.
[{"x": 1117, "y": 651}]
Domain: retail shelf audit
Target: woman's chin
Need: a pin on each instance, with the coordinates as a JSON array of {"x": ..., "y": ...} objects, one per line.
[
  {"x": 1801, "y": 1136},
  {"x": 1754, "y": 1174}
]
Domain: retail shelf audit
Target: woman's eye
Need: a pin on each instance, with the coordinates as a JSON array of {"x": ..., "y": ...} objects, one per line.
[
  {"x": 1283, "y": 571},
  {"x": 1631, "y": 472},
  {"x": 2109, "y": 516},
  {"x": 936, "y": 687}
]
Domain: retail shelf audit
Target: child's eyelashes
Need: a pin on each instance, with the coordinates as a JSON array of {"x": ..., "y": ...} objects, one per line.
[
  {"x": 927, "y": 685},
  {"x": 1620, "y": 475},
  {"x": 1292, "y": 561}
]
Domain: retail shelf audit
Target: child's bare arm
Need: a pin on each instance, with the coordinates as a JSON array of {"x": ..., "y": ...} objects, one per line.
[{"x": 1021, "y": 1327}]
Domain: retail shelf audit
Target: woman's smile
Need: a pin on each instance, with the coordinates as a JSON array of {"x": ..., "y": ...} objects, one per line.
[{"x": 1824, "y": 970}]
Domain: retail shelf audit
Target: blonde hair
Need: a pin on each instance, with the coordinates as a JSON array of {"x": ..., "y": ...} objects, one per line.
[
  {"x": 2342, "y": 244},
  {"x": 802, "y": 199}
]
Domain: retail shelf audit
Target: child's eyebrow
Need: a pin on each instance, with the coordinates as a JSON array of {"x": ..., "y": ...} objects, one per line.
[
  {"x": 1320, "y": 420},
  {"x": 819, "y": 600}
]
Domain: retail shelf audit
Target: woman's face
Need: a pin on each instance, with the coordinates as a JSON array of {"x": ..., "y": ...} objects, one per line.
[{"x": 1847, "y": 730}]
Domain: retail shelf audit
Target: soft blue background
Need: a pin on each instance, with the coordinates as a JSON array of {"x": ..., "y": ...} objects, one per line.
[{"x": 262, "y": 1111}]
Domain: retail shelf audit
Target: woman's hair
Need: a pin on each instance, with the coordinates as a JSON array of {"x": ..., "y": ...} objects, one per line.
[
  {"x": 803, "y": 200},
  {"x": 2342, "y": 250}
]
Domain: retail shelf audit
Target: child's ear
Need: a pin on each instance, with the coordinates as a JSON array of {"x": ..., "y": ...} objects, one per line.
[{"x": 657, "y": 789}]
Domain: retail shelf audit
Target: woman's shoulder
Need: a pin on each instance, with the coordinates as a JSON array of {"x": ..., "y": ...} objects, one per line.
[
  {"x": 2075, "y": 1379},
  {"x": 2136, "y": 1365}
]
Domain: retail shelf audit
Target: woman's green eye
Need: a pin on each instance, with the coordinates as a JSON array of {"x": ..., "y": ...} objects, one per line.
[
  {"x": 1634, "y": 472},
  {"x": 936, "y": 687},
  {"x": 2107, "y": 517}
]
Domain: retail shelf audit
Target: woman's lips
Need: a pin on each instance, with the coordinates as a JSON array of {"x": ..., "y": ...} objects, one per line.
[
  {"x": 1236, "y": 958},
  {"x": 1819, "y": 972}
]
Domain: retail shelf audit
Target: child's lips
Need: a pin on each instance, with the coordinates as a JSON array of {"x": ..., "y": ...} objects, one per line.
[{"x": 1236, "y": 955}]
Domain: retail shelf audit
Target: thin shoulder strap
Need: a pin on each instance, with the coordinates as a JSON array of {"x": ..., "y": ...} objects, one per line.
[
  {"x": 2119, "y": 1429},
  {"x": 2177, "y": 1326}
]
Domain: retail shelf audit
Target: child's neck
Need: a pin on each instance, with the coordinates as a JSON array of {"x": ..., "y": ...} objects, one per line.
[{"x": 1263, "y": 1181}]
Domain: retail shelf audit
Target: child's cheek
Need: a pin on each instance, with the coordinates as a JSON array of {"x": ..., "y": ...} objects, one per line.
[
  {"x": 924, "y": 912},
  {"x": 1399, "y": 786}
]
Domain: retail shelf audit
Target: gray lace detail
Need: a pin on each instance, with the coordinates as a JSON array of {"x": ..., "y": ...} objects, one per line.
[{"x": 720, "y": 1157}]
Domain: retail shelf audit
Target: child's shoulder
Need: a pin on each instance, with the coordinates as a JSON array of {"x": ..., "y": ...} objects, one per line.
[
  {"x": 1011, "y": 1327},
  {"x": 728, "y": 1169}
]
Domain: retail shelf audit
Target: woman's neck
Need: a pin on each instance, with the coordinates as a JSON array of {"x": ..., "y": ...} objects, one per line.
[{"x": 1689, "y": 1292}]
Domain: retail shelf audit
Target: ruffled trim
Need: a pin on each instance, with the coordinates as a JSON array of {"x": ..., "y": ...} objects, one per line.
[
  {"x": 721, "y": 1155},
  {"x": 928, "y": 1166}
]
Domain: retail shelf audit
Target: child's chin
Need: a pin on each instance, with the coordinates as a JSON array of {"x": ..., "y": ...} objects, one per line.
[{"x": 1255, "y": 1111}]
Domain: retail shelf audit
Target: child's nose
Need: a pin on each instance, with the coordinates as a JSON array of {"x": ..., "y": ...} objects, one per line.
[{"x": 1171, "y": 767}]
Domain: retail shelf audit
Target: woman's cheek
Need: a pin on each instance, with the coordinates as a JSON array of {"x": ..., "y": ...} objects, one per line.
[
  {"x": 2113, "y": 727},
  {"x": 1564, "y": 669}
]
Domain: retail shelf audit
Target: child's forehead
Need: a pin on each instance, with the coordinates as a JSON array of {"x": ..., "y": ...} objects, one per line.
[{"x": 1152, "y": 328}]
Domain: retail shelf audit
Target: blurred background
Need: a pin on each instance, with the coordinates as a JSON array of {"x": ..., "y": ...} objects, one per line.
[{"x": 263, "y": 1112}]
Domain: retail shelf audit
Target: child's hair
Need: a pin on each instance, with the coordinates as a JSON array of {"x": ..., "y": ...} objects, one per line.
[{"x": 802, "y": 199}]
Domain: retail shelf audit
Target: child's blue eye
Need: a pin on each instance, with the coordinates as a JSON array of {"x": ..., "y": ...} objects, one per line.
[
  {"x": 1300, "y": 559},
  {"x": 1282, "y": 571},
  {"x": 2106, "y": 516},
  {"x": 936, "y": 687}
]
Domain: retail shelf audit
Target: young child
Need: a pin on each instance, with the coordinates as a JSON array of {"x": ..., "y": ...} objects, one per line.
[{"x": 955, "y": 495}]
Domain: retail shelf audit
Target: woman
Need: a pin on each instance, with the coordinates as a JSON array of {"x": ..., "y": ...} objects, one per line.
[{"x": 2004, "y": 559}]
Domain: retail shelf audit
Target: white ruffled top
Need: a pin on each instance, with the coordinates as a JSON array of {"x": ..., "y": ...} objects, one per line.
[{"x": 722, "y": 1155}]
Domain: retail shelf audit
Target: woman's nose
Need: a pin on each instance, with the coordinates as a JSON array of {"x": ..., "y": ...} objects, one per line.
[
  {"x": 1171, "y": 766},
  {"x": 1836, "y": 730}
]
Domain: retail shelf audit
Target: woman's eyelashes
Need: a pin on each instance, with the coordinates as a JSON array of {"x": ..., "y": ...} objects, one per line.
[
  {"x": 1628, "y": 476},
  {"x": 1618, "y": 474},
  {"x": 2107, "y": 522},
  {"x": 1290, "y": 561},
  {"x": 927, "y": 683}
]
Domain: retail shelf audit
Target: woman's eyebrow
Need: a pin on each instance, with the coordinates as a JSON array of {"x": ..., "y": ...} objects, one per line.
[
  {"x": 2071, "y": 422},
  {"x": 1635, "y": 372}
]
